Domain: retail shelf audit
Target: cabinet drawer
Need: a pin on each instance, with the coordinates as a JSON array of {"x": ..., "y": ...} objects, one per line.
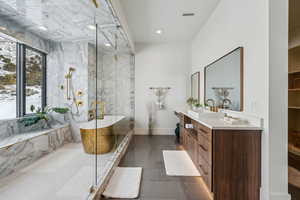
[
  {"x": 205, "y": 171},
  {"x": 203, "y": 130},
  {"x": 204, "y": 150}
]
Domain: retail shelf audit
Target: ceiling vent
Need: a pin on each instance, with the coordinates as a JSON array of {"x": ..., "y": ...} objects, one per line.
[{"x": 188, "y": 14}]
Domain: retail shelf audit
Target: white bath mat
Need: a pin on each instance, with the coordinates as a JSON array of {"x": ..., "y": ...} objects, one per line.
[
  {"x": 125, "y": 183},
  {"x": 178, "y": 163}
]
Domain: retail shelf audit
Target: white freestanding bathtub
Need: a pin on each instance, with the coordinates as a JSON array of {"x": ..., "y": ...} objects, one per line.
[{"x": 98, "y": 135}]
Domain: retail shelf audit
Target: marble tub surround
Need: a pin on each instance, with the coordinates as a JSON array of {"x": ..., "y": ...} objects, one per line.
[
  {"x": 21, "y": 137},
  {"x": 14, "y": 127},
  {"x": 22, "y": 150},
  {"x": 216, "y": 121}
]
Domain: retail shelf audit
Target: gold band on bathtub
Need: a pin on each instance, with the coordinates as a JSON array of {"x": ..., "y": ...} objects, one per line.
[{"x": 105, "y": 140}]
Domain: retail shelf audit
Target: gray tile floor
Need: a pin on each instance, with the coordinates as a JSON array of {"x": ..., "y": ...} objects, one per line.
[{"x": 146, "y": 152}]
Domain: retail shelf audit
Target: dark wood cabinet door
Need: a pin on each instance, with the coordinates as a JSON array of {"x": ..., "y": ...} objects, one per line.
[
  {"x": 236, "y": 164},
  {"x": 228, "y": 160}
]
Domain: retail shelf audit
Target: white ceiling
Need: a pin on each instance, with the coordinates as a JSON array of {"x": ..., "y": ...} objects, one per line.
[{"x": 146, "y": 16}]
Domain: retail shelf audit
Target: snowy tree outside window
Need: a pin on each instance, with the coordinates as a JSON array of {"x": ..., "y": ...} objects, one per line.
[
  {"x": 7, "y": 79},
  {"x": 33, "y": 76}
]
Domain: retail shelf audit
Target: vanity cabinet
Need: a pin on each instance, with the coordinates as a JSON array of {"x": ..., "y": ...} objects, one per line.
[{"x": 229, "y": 161}]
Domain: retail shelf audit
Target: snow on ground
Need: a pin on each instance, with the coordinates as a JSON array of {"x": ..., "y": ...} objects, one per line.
[
  {"x": 7, "y": 109},
  {"x": 8, "y": 102},
  {"x": 4, "y": 72}
]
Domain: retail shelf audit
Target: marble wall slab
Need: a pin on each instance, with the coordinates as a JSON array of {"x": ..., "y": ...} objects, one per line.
[
  {"x": 22, "y": 154},
  {"x": 60, "y": 59},
  {"x": 115, "y": 81}
]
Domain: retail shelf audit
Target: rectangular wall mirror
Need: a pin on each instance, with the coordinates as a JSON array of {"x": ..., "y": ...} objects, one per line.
[
  {"x": 224, "y": 81},
  {"x": 195, "y": 85}
]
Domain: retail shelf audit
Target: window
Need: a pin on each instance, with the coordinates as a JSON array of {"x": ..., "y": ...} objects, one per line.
[
  {"x": 34, "y": 79},
  {"x": 22, "y": 79},
  {"x": 8, "y": 79}
]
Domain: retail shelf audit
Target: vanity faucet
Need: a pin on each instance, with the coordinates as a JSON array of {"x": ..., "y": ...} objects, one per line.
[
  {"x": 226, "y": 101},
  {"x": 210, "y": 100}
]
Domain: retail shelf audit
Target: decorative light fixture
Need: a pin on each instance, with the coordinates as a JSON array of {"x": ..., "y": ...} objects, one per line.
[
  {"x": 92, "y": 27},
  {"x": 159, "y": 31},
  {"x": 43, "y": 28}
]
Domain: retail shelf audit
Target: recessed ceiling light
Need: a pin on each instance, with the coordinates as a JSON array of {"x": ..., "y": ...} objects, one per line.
[
  {"x": 159, "y": 31},
  {"x": 107, "y": 45},
  {"x": 43, "y": 28},
  {"x": 92, "y": 27}
]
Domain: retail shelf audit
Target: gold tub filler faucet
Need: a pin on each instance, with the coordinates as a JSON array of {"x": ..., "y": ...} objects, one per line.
[{"x": 93, "y": 112}]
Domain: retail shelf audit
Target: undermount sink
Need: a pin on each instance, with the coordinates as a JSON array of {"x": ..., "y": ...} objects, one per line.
[
  {"x": 206, "y": 114},
  {"x": 235, "y": 121},
  {"x": 193, "y": 113}
]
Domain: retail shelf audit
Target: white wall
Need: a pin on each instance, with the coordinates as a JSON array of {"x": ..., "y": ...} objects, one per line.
[
  {"x": 160, "y": 65},
  {"x": 237, "y": 23}
]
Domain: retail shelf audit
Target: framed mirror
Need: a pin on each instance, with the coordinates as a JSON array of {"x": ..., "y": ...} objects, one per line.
[
  {"x": 224, "y": 81},
  {"x": 195, "y": 86}
]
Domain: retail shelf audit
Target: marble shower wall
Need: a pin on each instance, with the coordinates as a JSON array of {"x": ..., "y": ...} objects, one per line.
[
  {"x": 115, "y": 83},
  {"x": 60, "y": 59},
  {"x": 118, "y": 84}
]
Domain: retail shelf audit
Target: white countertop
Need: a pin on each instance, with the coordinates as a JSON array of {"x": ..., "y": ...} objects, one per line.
[{"x": 216, "y": 121}]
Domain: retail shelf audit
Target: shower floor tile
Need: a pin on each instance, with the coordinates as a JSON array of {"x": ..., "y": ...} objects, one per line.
[{"x": 62, "y": 175}]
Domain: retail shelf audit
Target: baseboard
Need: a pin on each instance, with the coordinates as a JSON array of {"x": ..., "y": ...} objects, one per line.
[
  {"x": 280, "y": 196},
  {"x": 155, "y": 131},
  {"x": 264, "y": 195}
]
